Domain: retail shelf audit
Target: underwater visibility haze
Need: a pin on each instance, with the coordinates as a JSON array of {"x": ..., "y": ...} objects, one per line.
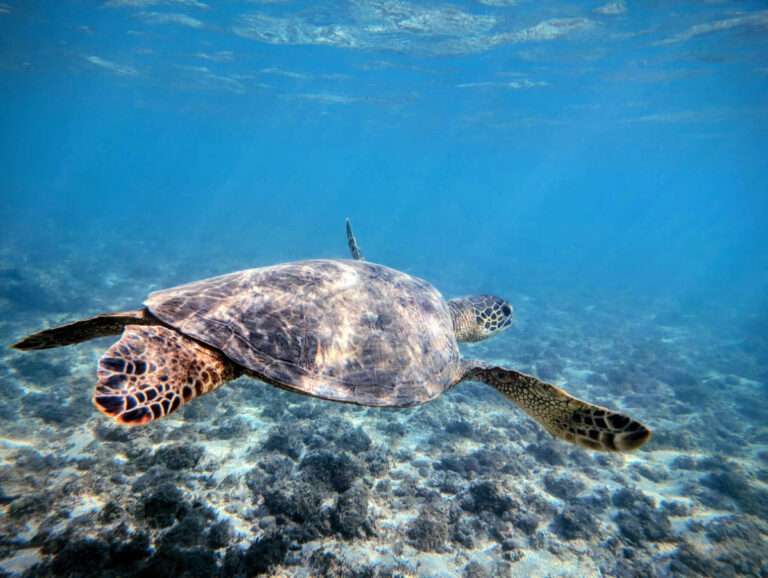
[{"x": 598, "y": 166}]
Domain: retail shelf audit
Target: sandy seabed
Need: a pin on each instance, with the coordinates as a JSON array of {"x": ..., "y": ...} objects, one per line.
[{"x": 250, "y": 479}]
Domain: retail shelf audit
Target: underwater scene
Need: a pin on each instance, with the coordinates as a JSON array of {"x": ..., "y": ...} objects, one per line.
[{"x": 548, "y": 202}]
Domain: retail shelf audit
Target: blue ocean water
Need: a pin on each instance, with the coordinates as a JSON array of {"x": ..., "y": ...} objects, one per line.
[{"x": 600, "y": 165}]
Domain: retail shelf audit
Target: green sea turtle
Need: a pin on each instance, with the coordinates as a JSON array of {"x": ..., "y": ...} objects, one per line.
[{"x": 343, "y": 330}]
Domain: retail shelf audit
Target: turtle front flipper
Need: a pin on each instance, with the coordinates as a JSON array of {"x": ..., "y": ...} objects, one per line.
[
  {"x": 152, "y": 371},
  {"x": 357, "y": 255},
  {"x": 562, "y": 415}
]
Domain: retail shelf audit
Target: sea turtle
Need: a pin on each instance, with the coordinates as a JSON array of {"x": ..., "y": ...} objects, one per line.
[{"x": 343, "y": 330}]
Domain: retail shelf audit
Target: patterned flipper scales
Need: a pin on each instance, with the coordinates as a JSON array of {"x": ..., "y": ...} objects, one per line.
[
  {"x": 152, "y": 371},
  {"x": 562, "y": 415}
]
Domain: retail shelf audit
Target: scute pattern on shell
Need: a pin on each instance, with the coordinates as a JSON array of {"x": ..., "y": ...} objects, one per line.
[{"x": 343, "y": 330}]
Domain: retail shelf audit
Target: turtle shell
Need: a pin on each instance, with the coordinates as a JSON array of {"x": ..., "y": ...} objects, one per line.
[{"x": 349, "y": 331}]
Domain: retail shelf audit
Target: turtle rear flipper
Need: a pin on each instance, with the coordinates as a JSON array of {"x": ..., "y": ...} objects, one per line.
[
  {"x": 354, "y": 249},
  {"x": 562, "y": 415},
  {"x": 84, "y": 330},
  {"x": 152, "y": 371}
]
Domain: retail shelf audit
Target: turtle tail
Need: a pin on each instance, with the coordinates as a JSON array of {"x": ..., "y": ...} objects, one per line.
[
  {"x": 84, "y": 330},
  {"x": 561, "y": 414},
  {"x": 152, "y": 371}
]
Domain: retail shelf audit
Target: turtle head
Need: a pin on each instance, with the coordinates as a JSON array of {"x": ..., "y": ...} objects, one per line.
[{"x": 478, "y": 317}]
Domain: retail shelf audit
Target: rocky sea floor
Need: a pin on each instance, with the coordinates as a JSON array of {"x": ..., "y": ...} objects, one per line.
[{"x": 251, "y": 479}]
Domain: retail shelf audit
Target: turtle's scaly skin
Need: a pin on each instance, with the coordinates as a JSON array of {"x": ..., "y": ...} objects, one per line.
[
  {"x": 348, "y": 331},
  {"x": 152, "y": 371},
  {"x": 561, "y": 414},
  {"x": 477, "y": 317}
]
